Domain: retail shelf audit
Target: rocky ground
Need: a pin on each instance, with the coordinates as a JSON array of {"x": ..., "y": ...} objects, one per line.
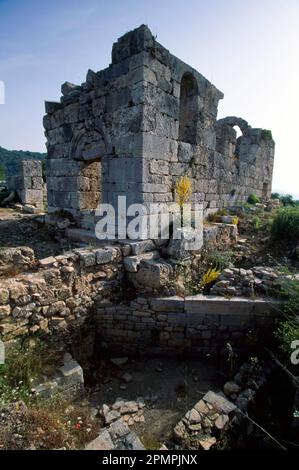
[
  {"x": 168, "y": 387},
  {"x": 18, "y": 229}
]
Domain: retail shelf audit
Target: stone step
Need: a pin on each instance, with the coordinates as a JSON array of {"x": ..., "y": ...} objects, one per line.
[{"x": 86, "y": 236}]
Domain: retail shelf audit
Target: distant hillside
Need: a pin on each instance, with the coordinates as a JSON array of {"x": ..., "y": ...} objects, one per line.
[{"x": 9, "y": 159}]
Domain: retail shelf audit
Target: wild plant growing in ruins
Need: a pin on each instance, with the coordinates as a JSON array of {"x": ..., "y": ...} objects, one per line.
[
  {"x": 183, "y": 191},
  {"x": 209, "y": 277}
]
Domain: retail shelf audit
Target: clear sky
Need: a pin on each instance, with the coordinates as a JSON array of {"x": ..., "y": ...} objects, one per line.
[{"x": 248, "y": 48}]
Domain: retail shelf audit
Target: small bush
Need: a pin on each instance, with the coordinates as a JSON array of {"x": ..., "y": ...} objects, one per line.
[
  {"x": 286, "y": 333},
  {"x": 287, "y": 200},
  {"x": 219, "y": 259},
  {"x": 288, "y": 327},
  {"x": 256, "y": 222},
  {"x": 253, "y": 199},
  {"x": 267, "y": 134},
  {"x": 286, "y": 224},
  {"x": 216, "y": 216},
  {"x": 209, "y": 277},
  {"x": 24, "y": 365}
]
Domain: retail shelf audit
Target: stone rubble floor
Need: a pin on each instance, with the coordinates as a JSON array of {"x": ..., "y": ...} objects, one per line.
[{"x": 169, "y": 386}]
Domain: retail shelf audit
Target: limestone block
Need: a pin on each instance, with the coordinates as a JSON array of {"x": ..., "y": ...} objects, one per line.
[
  {"x": 169, "y": 304},
  {"x": 72, "y": 372},
  {"x": 154, "y": 274},
  {"x": 102, "y": 442},
  {"x": 131, "y": 263},
  {"x": 52, "y": 106},
  {"x": 105, "y": 255}
]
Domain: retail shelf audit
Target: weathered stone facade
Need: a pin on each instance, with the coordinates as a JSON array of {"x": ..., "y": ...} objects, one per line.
[
  {"x": 28, "y": 183},
  {"x": 133, "y": 128}
]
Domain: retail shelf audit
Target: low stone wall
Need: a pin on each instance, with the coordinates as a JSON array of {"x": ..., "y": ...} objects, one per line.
[
  {"x": 58, "y": 294},
  {"x": 196, "y": 324}
]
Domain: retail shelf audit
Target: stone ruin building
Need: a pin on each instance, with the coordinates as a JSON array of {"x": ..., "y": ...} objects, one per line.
[
  {"x": 28, "y": 185},
  {"x": 135, "y": 127}
]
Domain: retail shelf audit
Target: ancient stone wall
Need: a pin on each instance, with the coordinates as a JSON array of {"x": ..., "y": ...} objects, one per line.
[
  {"x": 57, "y": 294},
  {"x": 60, "y": 296},
  {"x": 197, "y": 324},
  {"x": 133, "y": 128},
  {"x": 28, "y": 183}
]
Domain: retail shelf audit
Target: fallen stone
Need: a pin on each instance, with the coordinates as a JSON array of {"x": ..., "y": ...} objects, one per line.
[
  {"x": 221, "y": 421},
  {"x": 47, "y": 261},
  {"x": 132, "y": 442},
  {"x": 111, "y": 416},
  {"x": 201, "y": 407},
  {"x": 127, "y": 378},
  {"x": 72, "y": 372},
  {"x": 206, "y": 444},
  {"x": 195, "y": 427},
  {"x": 218, "y": 402},
  {"x": 118, "y": 429},
  {"x": 119, "y": 361},
  {"x": 180, "y": 431},
  {"x": 193, "y": 416},
  {"x": 102, "y": 442},
  {"x": 131, "y": 263},
  {"x": 230, "y": 388}
]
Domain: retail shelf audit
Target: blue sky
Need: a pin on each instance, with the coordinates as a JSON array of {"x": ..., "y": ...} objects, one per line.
[{"x": 247, "y": 48}]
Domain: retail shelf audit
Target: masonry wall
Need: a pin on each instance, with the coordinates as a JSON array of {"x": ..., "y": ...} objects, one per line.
[
  {"x": 28, "y": 183},
  {"x": 135, "y": 127},
  {"x": 197, "y": 324},
  {"x": 55, "y": 296}
]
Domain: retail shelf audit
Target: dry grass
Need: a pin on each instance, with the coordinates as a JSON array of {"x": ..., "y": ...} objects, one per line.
[{"x": 47, "y": 426}]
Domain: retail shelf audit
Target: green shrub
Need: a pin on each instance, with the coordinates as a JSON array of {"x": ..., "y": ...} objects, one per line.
[
  {"x": 287, "y": 200},
  {"x": 286, "y": 223},
  {"x": 256, "y": 222},
  {"x": 267, "y": 134},
  {"x": 253, "y": 199},
  {"x": 288, "y": 327},
  {"x": 286, "y": 333},
  {"x": 219, "y": 259},
  {"x": 24, "y": 365}
]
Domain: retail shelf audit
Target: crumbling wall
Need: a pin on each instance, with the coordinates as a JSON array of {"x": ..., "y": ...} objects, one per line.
[
  {"x": 247, "y": 161},
  {"x": 135, "y": 127},
  {"x": 57, "y": 296},
  {"x": 28, "y": 183}
]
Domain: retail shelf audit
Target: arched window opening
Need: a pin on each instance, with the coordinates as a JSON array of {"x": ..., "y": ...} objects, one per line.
[
  {"x": 239, "y": 133},
  {"x": 188, "y": 109},
  {"x": 236, "y": 141}
]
